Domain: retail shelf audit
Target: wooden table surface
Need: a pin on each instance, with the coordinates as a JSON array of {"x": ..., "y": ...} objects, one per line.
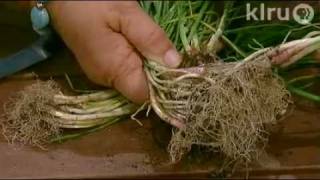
[{"x": 127, "y": 149}]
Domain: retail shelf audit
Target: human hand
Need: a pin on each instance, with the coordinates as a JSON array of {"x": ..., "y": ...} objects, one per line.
[{"x": 107, "y": 38}]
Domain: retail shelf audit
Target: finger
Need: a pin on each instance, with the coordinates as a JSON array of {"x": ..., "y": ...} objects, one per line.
[
  {"x": 108, "y": 59},
  {"x": 148, "y": 37}
]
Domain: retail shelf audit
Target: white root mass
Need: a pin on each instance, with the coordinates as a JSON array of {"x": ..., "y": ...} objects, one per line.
[{"x": 225, "y": 107}]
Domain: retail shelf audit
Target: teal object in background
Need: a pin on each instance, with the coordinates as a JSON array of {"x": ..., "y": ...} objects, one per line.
[
  {"x": 47, "y": 44},
  {"x": 40, "y": 19}
]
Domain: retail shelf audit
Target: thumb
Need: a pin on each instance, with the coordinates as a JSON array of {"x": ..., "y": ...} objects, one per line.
[{"x": 148, "y": 37}]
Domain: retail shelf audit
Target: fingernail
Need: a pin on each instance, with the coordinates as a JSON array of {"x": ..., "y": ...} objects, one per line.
[{"x": 172, "y": 58}]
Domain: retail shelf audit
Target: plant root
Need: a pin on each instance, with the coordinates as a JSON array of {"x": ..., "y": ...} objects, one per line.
[
  {"x": 26, "y": 119},
  {"x": 230, "y": 115},
  {"x": 38, "y": 113},
  {"x": 226, "y": 107}
]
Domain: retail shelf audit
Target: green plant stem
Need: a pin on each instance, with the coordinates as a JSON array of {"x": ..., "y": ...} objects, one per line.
[
  {"x": 248, "y": 28},
  {"x": 195, "y": 26},
  {"x": 219, "y": 31},
  {"x": 105, "y": 108},
  {"x": 183, "y": 35},
  {"x": 101, "y": 103},
  {"x": 63, "y": 99},
  {"x": 304, "y": 94},
  {"x": 65, "y": 123},
  {"x": 314, "y": 45},
  {"x": 63, "y": 138},
  {"x": 303, "y": 78},
  {"x": 124, "y": 110},
  {"x": 232, "y": 45}
]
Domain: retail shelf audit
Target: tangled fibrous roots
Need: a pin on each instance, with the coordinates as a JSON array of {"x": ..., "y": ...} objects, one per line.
[
  {"x": 229, "y": 114},
  {"x": 26, "y": 119}
]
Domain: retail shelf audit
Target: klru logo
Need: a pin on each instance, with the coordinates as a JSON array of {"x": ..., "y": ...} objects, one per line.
[{"x": 302, "y": 13}]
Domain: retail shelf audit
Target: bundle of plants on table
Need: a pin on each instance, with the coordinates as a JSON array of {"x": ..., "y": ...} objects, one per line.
[{"x": 229, "y": 88}]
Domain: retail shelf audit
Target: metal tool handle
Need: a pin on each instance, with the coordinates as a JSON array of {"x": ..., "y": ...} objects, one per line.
[{"x": 39, "y": 51}]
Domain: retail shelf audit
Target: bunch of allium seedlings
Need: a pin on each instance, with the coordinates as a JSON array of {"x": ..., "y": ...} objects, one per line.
[
  {"x": 37, "y": 114},
  {"x": 223, "y": 106}
]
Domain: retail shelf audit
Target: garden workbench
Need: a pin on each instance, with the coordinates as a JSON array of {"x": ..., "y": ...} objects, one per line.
[{"x": 127, "y": 149}]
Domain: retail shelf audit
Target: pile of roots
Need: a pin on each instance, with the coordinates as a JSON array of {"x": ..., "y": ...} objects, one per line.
[
  {"x": 225, "y": 106},
  {"x": 26, "y": 119},
  {"x": 229, "y": 112},
  {"x": 37, "y": 115}
]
